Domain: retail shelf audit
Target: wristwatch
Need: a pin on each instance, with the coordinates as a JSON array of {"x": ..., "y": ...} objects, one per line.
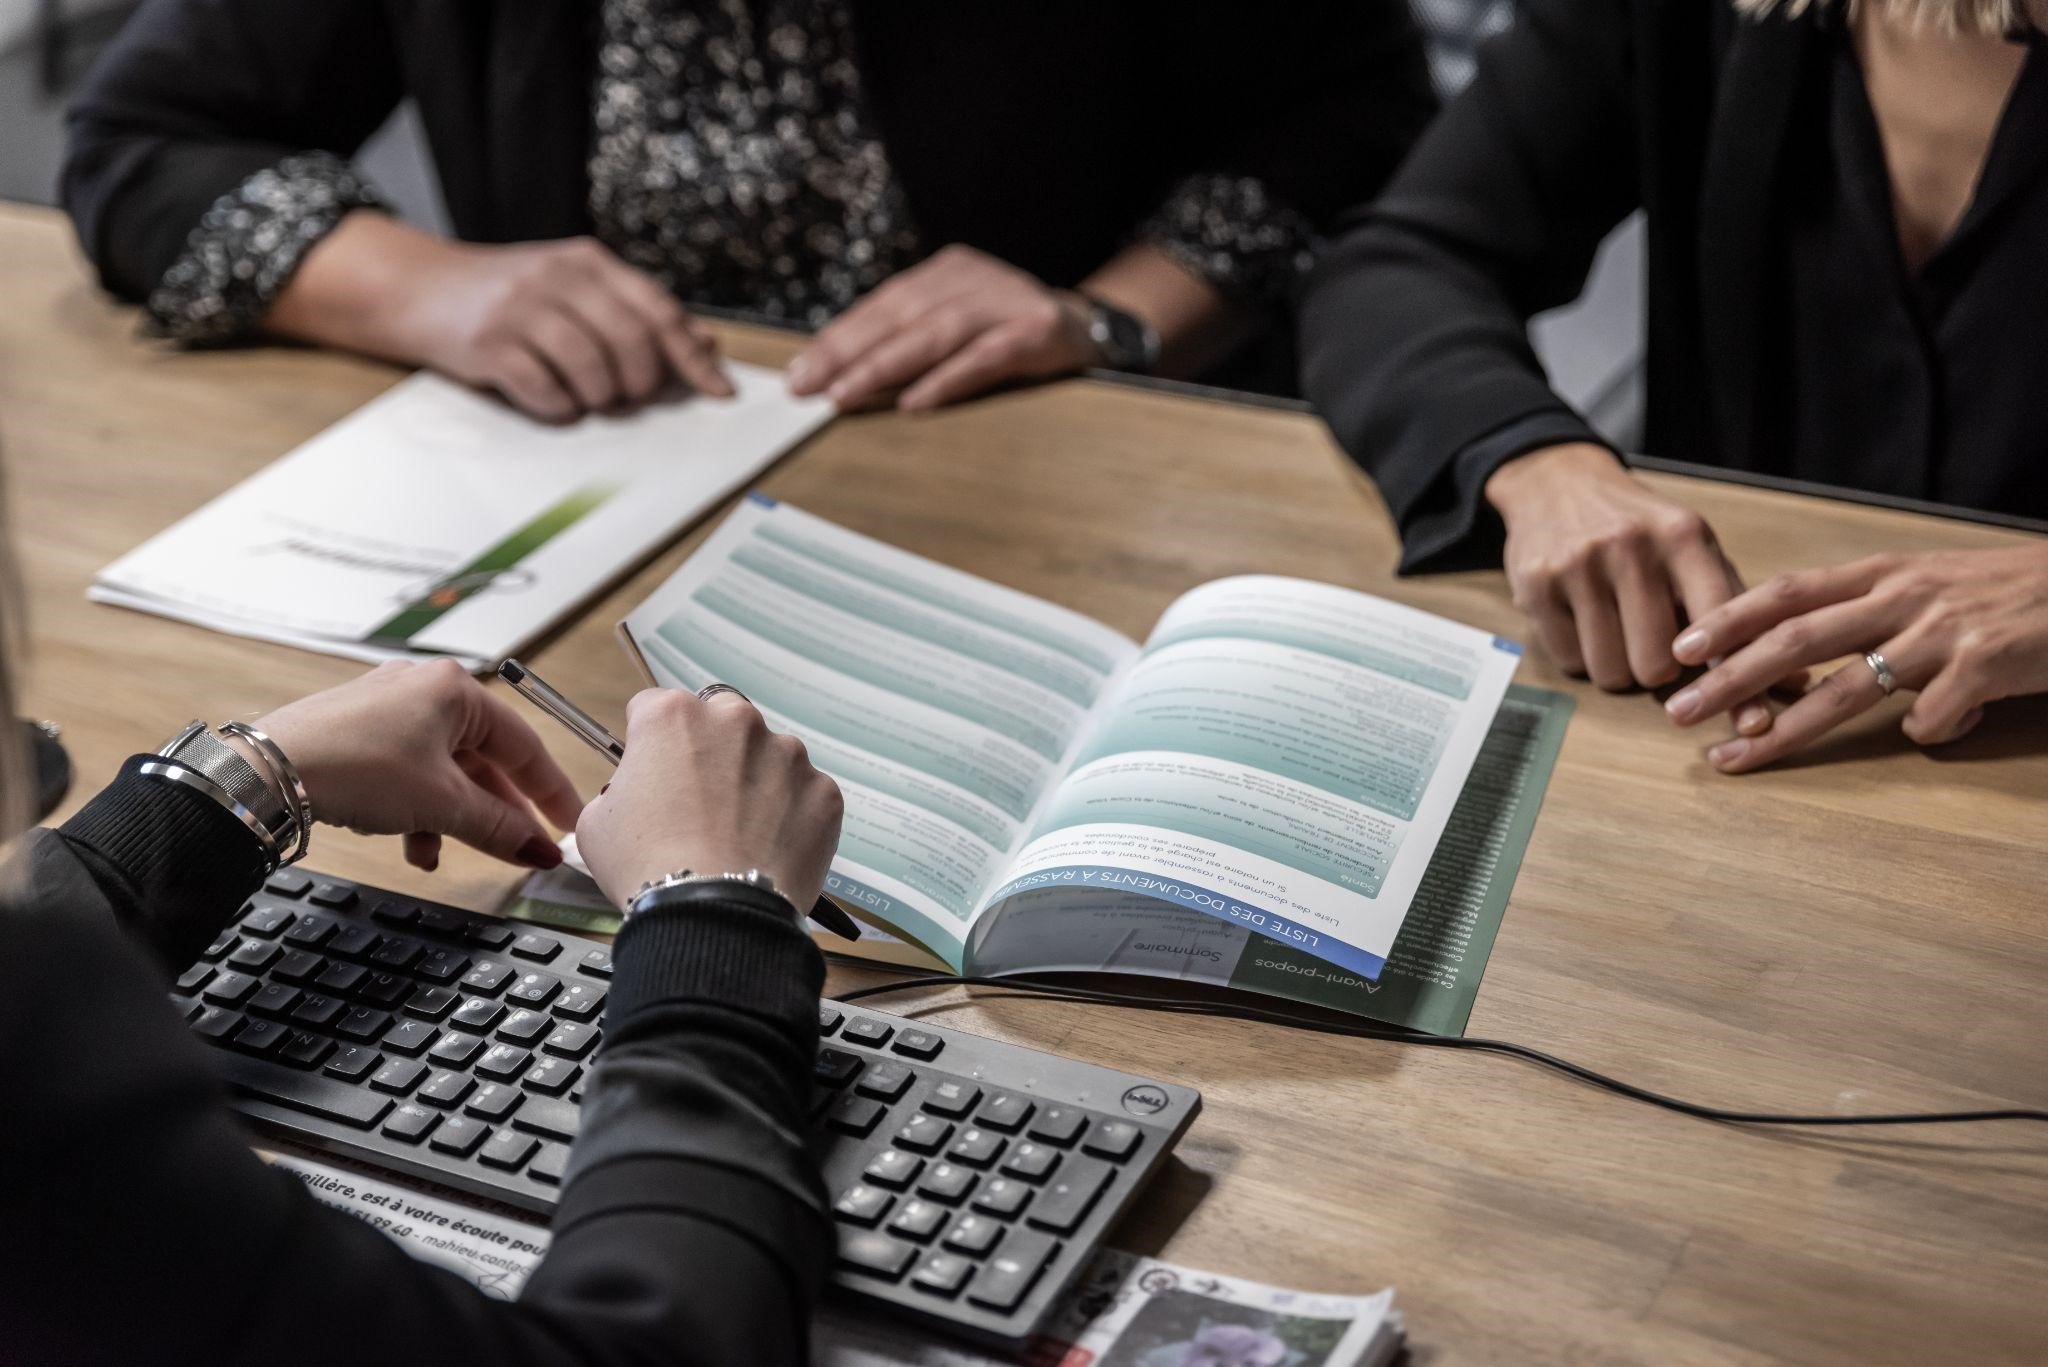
[
  {"x": 1126, "y": 341},
  {"x": 198, "y": 759},
  {"x": 652, "y": 892}
]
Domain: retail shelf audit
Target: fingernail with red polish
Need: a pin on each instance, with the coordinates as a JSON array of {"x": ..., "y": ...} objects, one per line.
[{"x": 541, "y": 854}]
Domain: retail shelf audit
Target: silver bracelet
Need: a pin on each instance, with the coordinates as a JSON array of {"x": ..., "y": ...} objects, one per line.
[
  {"x": 179, "y": 772},
  {"x": 197, "y": 759},
  {"x": 288, "y": 781}
]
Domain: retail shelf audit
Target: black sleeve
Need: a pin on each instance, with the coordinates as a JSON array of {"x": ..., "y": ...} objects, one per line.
[
  {"x": 1310, "y": 106},
  {"x": 1414, "y": 341},
  {"x": 137, "y": 1226},
  {"x": 194, "y": 97}
]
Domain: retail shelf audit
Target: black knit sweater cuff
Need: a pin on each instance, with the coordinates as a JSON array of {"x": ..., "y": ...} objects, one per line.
[
  {"x": 175, "y": 864},
  {"x": 719, "y": 945}
]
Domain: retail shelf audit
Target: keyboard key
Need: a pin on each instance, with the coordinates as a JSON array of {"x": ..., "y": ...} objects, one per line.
[
  {"x": 352, "y": 1061},
  {"x": 253, "y": 956},
  {"x": 834, "y": 1068},
  {"x": 538, "y": 948},
  {"x": 267, "y": 922},
  {"x": 297, "y": 966},
  {"x": 354, "y": 942},
  {"x": 333, "y": 895},
  {"x": 1116, "y": 1139},
  {"x": 524, "y": 1026},
  {"x": 477, "y": 1013},
  {"x": 549, "y": 1164},
  {"x": 1008, "y": 1277},
  {"x": 509, "y": 1150},
  {"x": 893, "y": 1168},
  {"x": 1032, "y": 1161},
  {"x": 317, "y": 1009},
  {"x": 1068, "y": 1198},
  {"x": 867, "y": 1030},
  {"x": 308, "y": 1092},
  {"x": 828, "y": 1019},
  {"x": 260, "y": 1036},
  {"x": 285, "y": 883},
  {"x": 430, "y": 1003},
  {"x": 274, "y": 999},
  {"x": 363, "y": 1023},
  {"x": 384, "y": 987},
  {"x": 534, "y": 989},
  {"x": 948, "y": 1182},
  {"x": 306, "y": 1049},
  {"x": 886, "y": 1081},
  {"x": 976, "y": 1147},
  {"x": 398, "y": 951},
  {"x": 311, "y": 931},
  {"x": 1060, "y": 1125},
  {"x": 1003, "y": 1197},
  {"x": 918, "y": 1219},
  {"x": 549, "y": 1117},
  {"x": 411, "y": 1122},
  {"x": 874, "y": 1252},
  {"x": 340, "y": 977},
  {"x": 412, "y": 1037},
  {"x": 222, "y": 943},
  {"x": 459, "y": 1135},
  {"x": 918, "y": 1044},
  {"x": 951, "y": 1098},
  {"x": 399, "y": 1076},
  {"x": 494, "y": 1101},
  {"x": 443, "y": 921},
  {"x": 442, "y": 965},
  {"x": 395, "y": 913},
  {"x": 571, "y": 1040},
  {"x": 854, "y": 1115},
  {"x": 194, "y": 978},
  {"x": 1006, "y": 1111},
  {"x": 487, "y": 976},
  {"x": 942, "y": 1274},
  {"x": 863, "y": 1204},
  {"x": 186, "y": 1008},
  {"x": 217, "y": 1022},
  {"x": 973, "y": 1234},
  {"x": 490, "y": 933},
  {"x": 551, "y": 1076},
  {"x": 502, "y": 1062},
  {"x": 447, "y": 1089},
  {"x": 580, "y": 1001},
  {"x": 455, "y": 1050},
  {"x": 923, "y": 1134},
  {"x": 230, "y": 989}
]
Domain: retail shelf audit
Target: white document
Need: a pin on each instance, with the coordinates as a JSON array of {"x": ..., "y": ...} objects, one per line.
[{"x": 435, "y": 520}]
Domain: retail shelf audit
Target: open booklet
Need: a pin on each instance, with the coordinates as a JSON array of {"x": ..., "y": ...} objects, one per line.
[{"x": 1028, "y": 790}]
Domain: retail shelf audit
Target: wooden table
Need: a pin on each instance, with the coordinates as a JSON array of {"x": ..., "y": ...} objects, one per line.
[{"x": 1864, "y": 931}]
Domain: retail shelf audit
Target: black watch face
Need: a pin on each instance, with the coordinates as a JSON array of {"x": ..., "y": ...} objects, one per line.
[{"x": 1125, "y": 343}]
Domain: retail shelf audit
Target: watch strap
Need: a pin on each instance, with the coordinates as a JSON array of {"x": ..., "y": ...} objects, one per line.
[
  {"x": 197, "y": 759},
  {"x": 707, "y": 890}
]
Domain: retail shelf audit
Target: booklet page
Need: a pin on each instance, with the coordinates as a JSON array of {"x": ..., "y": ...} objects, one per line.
[
  {"x": 1283, "y": 758},
  {"x": 945, "y": 706}
]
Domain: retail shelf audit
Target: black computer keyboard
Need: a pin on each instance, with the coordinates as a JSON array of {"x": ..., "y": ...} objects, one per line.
[{"x": 970, "y": 1179}]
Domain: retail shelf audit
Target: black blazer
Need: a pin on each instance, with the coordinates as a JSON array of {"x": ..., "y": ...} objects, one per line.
[
  {"x": 1042, "y": 131},
  {"x": 1414, "y": 345},
  {"x": 137, "y": 1227}
]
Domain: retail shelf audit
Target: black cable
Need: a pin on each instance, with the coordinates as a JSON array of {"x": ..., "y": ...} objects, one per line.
[{"x": 1196, "y": 1007}]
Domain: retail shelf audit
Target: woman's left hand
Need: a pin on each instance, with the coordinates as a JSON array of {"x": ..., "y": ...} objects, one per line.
[
  {"x": 1961, "y": 628},
  {"x": 944, "y": 330}
]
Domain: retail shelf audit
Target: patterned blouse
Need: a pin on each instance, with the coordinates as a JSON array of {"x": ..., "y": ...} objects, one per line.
[{"x": 734, "y": 160}]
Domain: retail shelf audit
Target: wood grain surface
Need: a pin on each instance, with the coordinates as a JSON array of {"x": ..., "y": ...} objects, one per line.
[{"x": 1866, "y": 929}]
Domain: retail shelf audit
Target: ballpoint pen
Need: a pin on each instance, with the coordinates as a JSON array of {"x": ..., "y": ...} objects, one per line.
[{"x": 591, "y": 732}]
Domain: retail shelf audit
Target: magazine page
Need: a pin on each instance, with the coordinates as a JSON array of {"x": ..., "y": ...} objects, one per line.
[
  {"x": 1283, "y": 758},
  {"x": 944, "y": 705}
]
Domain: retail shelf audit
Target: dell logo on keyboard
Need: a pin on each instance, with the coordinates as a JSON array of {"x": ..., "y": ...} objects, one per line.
[{"x": 1145, "y": 1099}]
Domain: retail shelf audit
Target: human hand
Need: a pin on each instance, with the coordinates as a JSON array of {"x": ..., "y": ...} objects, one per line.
[
  {"x": 706, "y": 786},
  {"x": 949, "y": 327},
  {"x": 1963, "y": 628},
  {"x": 423, "y": 751},
  {"x": 1601, "y": 563}
]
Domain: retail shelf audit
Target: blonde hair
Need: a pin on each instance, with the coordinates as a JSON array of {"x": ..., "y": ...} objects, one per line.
[
  {"x": 18, "y": 785},
  {"x": 1991, "y": 18}
]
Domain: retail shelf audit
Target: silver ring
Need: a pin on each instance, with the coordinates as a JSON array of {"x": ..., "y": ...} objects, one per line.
[
  {"x": 712, "y": 690},
  {"x": 1886, "y": 680}
]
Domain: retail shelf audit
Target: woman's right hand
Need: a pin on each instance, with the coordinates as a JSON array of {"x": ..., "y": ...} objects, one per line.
[
  {"x": 706, "y": 786},
  {"x": 558, "y": 328}
]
